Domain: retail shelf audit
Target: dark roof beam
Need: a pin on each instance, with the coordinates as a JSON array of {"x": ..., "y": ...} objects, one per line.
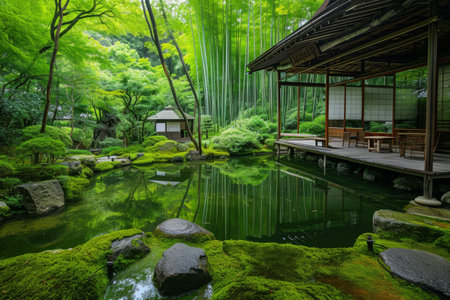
[{"x": 375, "y": 42}]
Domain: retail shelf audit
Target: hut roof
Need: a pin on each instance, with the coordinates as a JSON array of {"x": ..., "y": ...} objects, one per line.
[
  {"x": 360, "y": 37},
  {"x": 170, "y": 113}
]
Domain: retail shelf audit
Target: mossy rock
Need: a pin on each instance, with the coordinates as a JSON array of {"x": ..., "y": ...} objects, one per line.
[
  {"x": 105, "y": 166},
  {"x": 73, "y": 186},
  {"x": 87, "y": 172},
  {"x": 77, "y": 273},
  {"x": 152, "y": 140},
  {"x": 403, "y": 225},
  {"x": 4, "y": 209},
  {"x": 164, "y": 146}
]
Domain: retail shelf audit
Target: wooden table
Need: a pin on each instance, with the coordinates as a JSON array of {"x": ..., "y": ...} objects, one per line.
[{"x": 374, "y": 142}]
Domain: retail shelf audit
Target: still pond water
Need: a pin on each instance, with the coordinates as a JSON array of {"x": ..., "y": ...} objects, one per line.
[{"x": 254, "y": 198}]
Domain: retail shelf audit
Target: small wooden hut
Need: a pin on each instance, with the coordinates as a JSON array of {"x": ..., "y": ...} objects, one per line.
[{"x": 170, "y": 123}]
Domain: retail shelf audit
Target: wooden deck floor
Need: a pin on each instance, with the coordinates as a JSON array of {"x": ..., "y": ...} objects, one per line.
[{"x": 412, "y": 164}]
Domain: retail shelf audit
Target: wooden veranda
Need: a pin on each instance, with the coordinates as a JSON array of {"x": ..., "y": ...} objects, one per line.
[{"x": 351, "y": 42}]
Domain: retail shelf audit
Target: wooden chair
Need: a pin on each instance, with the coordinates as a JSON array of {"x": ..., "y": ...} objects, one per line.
[{"x": 361, "y": 139}]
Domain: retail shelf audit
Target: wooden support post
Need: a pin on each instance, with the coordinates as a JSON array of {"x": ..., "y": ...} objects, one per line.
[
  {"x": 324, "y": 165},
  {"x": 298, "y": 107},
  {"x": 430, "y": 127},
  {"x": 363, "y": 92},
  {"x": 278, "y": 106},
  {"x": 394, "y": 87},
  {"x": 345, "y": 108},
  {"x": 327, "y": 104}
]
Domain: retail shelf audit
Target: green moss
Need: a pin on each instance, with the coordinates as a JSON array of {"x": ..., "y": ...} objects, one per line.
[
  {"x": 73, "y": 186},
  {"x": 105, "y": 166},
  {"x": 163, "y": 146},
  {"x": 4, "y": 211},
  {"x": 152, "y": 157},
  {"x": 443, "y": 242},
  {"x": 151, "y": 140},
  {"x": 78, "y": 152},
  {"x": 128, "y": 150},
  {"x": 87, "y": 172},
  {"x": 404, "y": 225},
  {"x": 60, "y": 274},
  {"x": 215, "y": 153}
]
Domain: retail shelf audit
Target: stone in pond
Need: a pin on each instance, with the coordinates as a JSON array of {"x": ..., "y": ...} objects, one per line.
[
  {"x": 181, "y": 269},
  {"x": 42, "y": 197},
  {"x": 427, "y": 201},
  {"x": 343, "y": 168},
  {"x": 179, "y": 228},
  {"x": 446, "y": 198},
  {"x": 130, "y": 247},
  {"x": 419, "y": 267},
  {"x": 75, "y": 167}
]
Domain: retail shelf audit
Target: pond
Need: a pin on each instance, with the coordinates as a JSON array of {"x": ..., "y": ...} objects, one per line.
[{"x": 251, "y": 198}]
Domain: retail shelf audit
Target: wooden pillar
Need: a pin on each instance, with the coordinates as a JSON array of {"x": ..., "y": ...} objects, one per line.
[
  {"x": 394, "y": 88},
  {"x": 363, "y": 93},
  {"x": 327, "y": 105},
  {"x": 345, "y": 107},
  {"x": 430, "y": 127},
  {"x": 278, "y": 106},
  {"x": 298, "y": 106}
]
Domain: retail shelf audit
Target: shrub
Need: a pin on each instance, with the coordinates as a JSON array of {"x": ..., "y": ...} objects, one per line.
[
  {"x": 80, "y": 136},
  {"x": 130, "y": 149},
  {"x": 111, "y": 142},
  {"x": 73, "y": 186},
  {"x": 8, "y": 183},
  {"x": 270, "y": 143},
  {"x": 42, "y": 147},
  {"x": 6, "y": 167},
  {"x": 52, "y": 132},
  {"x": 152, "y": 140},
  {"x": 87, "y": 172},
  {"x": 15, "y": 202},
  {"x": 78, "y": 152},
  {"x": 108, "y": 150},
  {"x": 237, "y": 141},
  {"x": 37, "y": 173},
  {"x": 315, "y": 127}
]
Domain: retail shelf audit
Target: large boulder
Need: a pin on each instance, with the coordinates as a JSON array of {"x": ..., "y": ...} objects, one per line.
[
  {"x": 129, "y": 248},
  {"x": 329, "y": 165},
  {"x": 371, "y": 174},
  {"x": 181, "y": 269},
  {"x": 42, "y": 197},
  {"x": 75, "y": 167},
  {"x": 419, "y": 267},
  {"x": 193, "y": 155},
  {"x": 179, "y": 228}
]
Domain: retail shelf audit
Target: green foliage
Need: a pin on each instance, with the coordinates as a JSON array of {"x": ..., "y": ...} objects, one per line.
[
  {"x": 73, "y": 186},
  {"x": 315, "y": 127},
  {"x": 38, "y": 173},
  {"x": 80, "y": 136},
  {"x": 270, "y": 143},
  {"x": 39, "y": 148},
  {"x": 77, "y": 152},
  {"x": 237, "y": 141},
  {"x": 52, "y": 132},
  {"x": 15, "y": 203},
  {"x": 108, "y": 150},
  {"x": 166, "y": 146},
  {"x": 128, "y": 150},
  {"x": 443, "y": 242},
  {"x": 87, "y": 172},
  {"x": 6, "y": 166},
  {"x": 4, "y": 211},
  {"x": 8, "y": 183},
  {"x": 111, "y": 142},
  {"x": 151, "y": 140}
]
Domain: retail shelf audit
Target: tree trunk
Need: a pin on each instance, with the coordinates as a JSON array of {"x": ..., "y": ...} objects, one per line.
[
  {"x": 163, "y": 63},
  {"x": 52, "y": 61}
]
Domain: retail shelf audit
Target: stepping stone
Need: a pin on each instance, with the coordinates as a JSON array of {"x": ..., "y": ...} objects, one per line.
[
  {"x": 181, "y": 269},
  {"x": 419, "y": 267},
  {"x": 130, "y": 248},
  {"x": 427, "y": 201},
  {"x": 179, "y": 228}
]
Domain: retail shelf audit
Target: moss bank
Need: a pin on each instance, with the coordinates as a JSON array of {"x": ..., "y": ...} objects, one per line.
[{"x": 60, "y": 274}]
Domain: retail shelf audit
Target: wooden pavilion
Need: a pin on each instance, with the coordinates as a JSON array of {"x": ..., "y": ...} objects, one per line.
[
  {"x": 170, "y": 123},
  {"x": 354, "y": 42}
]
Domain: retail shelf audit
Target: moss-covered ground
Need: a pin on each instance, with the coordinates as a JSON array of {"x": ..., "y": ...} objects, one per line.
[{"x": 240, "y": 270}]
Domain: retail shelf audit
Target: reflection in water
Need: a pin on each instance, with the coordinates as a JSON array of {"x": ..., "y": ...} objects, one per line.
[{"x": 249, "y": 198}]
